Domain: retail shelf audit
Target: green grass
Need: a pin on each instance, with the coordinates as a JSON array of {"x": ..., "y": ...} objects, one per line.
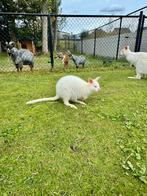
[
  {"x": 6, "y": 64},
  {"x": 42, "y": 63},
  {"x": 50, "y": 149}
]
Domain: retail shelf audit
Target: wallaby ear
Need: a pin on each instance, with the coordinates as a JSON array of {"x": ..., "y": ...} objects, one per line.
[
  {"x": 90, "y": 81},
  {"x": 11, "y": 43},
  {"x": 7, "y": 45},
  {"x": 97, "y": 78},
  {"x": 126, "y": 47}
]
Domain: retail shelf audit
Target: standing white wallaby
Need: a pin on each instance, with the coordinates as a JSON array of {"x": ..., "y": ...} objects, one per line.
[
  {"x": 138, "y": 59},
  {"x": 72, "y": 88}
]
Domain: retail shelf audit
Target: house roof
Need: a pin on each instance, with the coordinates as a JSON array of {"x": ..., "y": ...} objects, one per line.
[
  {"x": 64, "y": 32},
  {"x": 123, "y": 29}
]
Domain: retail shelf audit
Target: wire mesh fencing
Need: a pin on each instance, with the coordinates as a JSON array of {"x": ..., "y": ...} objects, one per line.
[
  {"x": 100, "y": 36},
  {"x": 97, "y": 36},
  {"x": 26, "y": 33},
  {"x": 143, "y": 47}
]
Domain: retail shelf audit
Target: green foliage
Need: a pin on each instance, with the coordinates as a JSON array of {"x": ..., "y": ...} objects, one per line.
[
  {"x": 84, "y": 34},
  {"x": 134, "y": 163},
  {"x": 22, "y": 27}
]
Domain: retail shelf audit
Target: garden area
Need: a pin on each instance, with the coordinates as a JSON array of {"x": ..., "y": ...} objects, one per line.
[{"x": 50, "y": 149}]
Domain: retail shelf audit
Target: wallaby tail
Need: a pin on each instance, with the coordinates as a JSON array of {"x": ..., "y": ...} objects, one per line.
[{"x": 43, "y": 100}]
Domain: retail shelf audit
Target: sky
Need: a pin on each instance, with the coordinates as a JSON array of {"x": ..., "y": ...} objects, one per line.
[
  {"x": 101, "y": 6},
  {"x": 98, "y": 7}
]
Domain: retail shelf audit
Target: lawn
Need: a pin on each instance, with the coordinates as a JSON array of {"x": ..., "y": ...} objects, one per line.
[
  {"x": 41, "y": 62},
  {"x": 6, "y": 64},
  {"x": 50, "y": 149}
]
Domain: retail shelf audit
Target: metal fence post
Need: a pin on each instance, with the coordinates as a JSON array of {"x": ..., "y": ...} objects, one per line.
[
  {"x": 50, "y": 41},
  {"x": 139, "y": 31},
  {"x": 118, "y": 42},
  {"x": 74, "y": 43},
  {"x": 81, "y": 45},
  {"x": 94, "y": 48},
  {"x": 68, "y": 43},
  {"x": 64, "y": 43}
]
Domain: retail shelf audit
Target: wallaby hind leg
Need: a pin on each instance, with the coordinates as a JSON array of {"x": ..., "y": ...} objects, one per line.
[
  {"x": 66, "y": 102},
  {"x": 17, "y": 67},
  {"x": 138, "y": 77},
  {"x": 80, "y": 102},
  {"x": 31, "y": 66}
]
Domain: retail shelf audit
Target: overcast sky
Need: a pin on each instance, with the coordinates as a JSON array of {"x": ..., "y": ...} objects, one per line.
[{"x": 101, "y": 6}]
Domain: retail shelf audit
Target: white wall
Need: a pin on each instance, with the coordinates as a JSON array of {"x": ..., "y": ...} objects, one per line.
[
  {"x": 107, "y": 46},
  {"x": 144, "y": 42}
]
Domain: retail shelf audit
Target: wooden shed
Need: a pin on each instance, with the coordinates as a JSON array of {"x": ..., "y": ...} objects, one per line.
[{"x": 27, "y": 44}]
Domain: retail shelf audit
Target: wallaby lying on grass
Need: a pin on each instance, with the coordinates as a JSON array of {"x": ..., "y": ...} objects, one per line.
[
  {"x": 72, "y": 88},
  {"x": 138, "y": 59}
]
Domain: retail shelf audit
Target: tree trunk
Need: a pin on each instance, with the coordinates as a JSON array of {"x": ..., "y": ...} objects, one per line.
[
  {"x": 12, "y": 29},
  {"x": 45, "y": 27},
  {"x": 55, "y": 34},
  {"x": 55, "y": 22}
]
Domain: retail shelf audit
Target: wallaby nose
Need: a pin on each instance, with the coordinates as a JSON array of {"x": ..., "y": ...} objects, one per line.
[{"x": 98, "y": 89}]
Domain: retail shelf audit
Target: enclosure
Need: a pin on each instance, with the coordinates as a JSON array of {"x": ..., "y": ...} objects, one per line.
[
  {"x": 50, "y": 149},
  {"x": 100, "y": 36}
]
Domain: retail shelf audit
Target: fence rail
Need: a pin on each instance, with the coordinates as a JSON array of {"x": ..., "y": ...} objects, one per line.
[{"x": 67, "y": 15}]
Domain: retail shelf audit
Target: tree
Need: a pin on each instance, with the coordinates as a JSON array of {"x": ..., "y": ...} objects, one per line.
[
  {"x": 8, "y": 22},
  {"x": 45, "y": 26},
  {"x": 49, "y": 6},
  {"x": 30, "y": 6},
  {"x": 84, "y": 34},
  {"x": 55, "y": 10}
]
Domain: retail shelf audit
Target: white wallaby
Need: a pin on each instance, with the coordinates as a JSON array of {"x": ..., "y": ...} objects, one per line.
[
  {"x": 138, "y": 59},
  {"x": 72, "y": 88}
]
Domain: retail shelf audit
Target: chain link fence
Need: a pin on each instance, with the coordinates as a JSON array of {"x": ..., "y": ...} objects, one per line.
[
  {"x": 102, "y": 36},
  {"x": 25, "y": 30},
  {"x": 97, "y": 36}
]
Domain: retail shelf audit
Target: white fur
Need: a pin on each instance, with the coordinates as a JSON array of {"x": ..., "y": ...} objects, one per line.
[
  {"x": 138, "y": 59},
  {"x": 72, "y": 88}
]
